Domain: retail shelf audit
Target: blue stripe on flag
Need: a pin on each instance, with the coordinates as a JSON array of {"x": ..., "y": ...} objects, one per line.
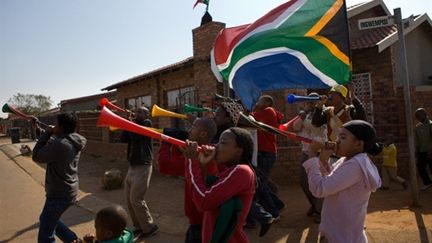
[{"x": 287, "y": 72}]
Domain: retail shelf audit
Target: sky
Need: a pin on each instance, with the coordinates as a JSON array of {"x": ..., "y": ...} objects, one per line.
[{"x": 66, "y": 49}]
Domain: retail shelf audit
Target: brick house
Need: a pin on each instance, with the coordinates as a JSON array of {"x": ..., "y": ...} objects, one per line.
[
  {"x": 375, "y": 75},
  {"x": 376, "y": 72}
]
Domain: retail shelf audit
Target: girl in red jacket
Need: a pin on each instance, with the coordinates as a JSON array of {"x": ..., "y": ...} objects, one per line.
[{"x": 235, "y": 182}]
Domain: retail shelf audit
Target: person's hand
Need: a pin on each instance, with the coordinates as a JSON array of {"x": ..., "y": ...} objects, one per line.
[
  {"x": 191, "y": 150},
  {"x": 209, "y": 113},
  {"x": 131, "y": 116},
  {"x": 351, "y": 92},
  {"x": 207, "y": 154},
  {"x": 314, "y": 147},
  {"x": 327, "y": 150},
  {"x": 322, "y": 101},
  {"x": 89, "y": 238}
]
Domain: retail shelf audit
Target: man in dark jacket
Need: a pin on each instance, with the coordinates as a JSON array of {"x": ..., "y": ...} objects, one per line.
[
  {"x": 137, "y": 181},
  {"x": 60, "y": 148}
]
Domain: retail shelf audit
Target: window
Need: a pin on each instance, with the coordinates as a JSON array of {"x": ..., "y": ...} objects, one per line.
[
  {"x": 363, "y": 90},
  {"x": 182, "y": 96},
  {"x": 172, "y": 97},
  {"x": 133, "y": 103}
]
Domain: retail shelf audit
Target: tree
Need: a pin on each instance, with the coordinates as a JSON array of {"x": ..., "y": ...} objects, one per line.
[{"x": 31, "y": 104}]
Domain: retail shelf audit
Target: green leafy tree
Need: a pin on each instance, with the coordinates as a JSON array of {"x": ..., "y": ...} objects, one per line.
[{"x": 31, "y": 104}]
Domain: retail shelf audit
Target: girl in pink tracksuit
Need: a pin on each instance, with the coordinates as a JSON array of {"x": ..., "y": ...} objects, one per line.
[{"x": 347, "y": 184}]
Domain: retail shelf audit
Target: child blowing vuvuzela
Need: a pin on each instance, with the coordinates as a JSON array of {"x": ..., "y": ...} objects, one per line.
[{"x": 347, "y": 184}]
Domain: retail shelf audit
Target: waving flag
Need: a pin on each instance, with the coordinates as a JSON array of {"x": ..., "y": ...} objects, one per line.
[{"x": 300, "y": 44}]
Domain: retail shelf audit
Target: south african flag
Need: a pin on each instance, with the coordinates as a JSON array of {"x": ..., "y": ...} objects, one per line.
[{"x": 300, "y": 44}]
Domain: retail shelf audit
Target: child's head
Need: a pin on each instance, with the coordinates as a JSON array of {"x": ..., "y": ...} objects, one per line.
[
  {"x": 420, "y": 114},
  {"x": 110, "y": 222},
  {"x": 66, "y": 123},
  {"x": 263, "y": 102},
  {"x": 355, "y": 137},
  {"x": 235, "y": 147},
  {"x": 142, "y": 113},
  {"x": 203, "y": 130}
]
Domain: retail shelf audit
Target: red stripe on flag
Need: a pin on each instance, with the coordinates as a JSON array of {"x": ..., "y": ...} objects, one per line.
[{"x": 228, "y": 38}]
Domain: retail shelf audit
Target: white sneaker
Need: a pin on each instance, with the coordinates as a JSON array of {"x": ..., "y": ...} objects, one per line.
[{"x": 425, "y": 187}]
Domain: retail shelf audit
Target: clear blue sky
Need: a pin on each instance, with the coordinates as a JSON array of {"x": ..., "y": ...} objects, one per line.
[{"x": 67, "y": 49}]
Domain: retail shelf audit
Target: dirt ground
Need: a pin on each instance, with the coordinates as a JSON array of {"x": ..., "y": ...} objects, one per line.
[{"x": 390, "y": 217}]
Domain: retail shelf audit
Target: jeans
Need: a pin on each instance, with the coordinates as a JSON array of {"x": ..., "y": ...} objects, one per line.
[
  {"x": 257, "y": 213},
  {"x": 265, "y": 163},
  {"x": 50, "y": 224},
  {"x": 264, "y": 194}
]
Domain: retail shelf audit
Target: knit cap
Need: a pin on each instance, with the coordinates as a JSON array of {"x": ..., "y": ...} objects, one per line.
[{"x": 364, "y": 131}]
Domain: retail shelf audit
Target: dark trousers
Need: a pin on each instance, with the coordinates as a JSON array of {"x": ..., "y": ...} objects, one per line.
[
  {"x": 316, "y": 203},
  {"x": 50, "y": 223},
  {"x": 193, "y": 234},
  {"x": 423, "y": 160},
  {"x": 265, "y": 195},
  {"x": 265, "y": 162}
]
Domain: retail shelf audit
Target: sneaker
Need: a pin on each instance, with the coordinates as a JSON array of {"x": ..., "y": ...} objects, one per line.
[
  {"x": 425, "y": 187},
  {"x": 265, "y": 227}
]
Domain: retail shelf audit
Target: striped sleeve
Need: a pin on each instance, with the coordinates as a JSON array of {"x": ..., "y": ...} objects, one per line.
[{"x": 233, "y": 181}]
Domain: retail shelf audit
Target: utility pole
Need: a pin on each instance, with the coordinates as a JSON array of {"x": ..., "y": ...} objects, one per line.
[{"x": 407, "y": 97}]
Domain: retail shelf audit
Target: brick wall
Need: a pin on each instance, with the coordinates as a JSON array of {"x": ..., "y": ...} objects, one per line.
[
  {"x": 86, "y": 126},
  {"x": 112, "y": 151},
  {"x": 203, "y": 41}
]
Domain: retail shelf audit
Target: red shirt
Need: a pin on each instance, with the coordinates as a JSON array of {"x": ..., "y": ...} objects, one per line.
[
  {"x": 238, "y": 180},
  {"x": 169, "y": 161},
  {"x": 266, "y": 140}
]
